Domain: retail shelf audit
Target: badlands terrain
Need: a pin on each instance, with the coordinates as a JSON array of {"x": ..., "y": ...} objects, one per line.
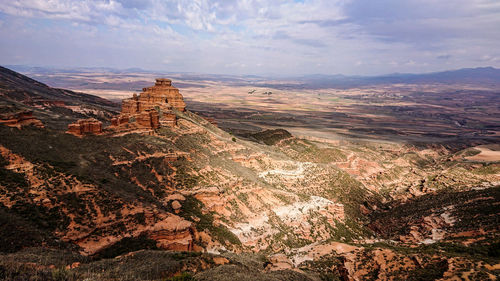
[{"x": 307, "y": 178}]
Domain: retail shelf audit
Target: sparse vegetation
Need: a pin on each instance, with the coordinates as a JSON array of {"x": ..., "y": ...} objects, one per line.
[
  {"x": 92, "y": 190},
  {"x": 193, "y": 208}
]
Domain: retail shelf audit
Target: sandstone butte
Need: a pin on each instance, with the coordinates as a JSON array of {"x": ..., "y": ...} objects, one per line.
[
  {"x": 152, "y": 108},
  {"x": 20, "y": 119}
]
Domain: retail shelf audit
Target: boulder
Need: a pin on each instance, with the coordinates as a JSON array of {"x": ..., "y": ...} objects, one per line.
[
  {"x": 173, "y": 233},
  {"x": 220, "y": 260},
  {"x": 176, "y": 206}
]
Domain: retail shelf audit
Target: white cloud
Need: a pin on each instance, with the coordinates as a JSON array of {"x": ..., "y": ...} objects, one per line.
[{"x": 327, "y": 36}]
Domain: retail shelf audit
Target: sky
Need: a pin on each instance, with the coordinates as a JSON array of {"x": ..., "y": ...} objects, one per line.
[{"x": 296, "y": 37}]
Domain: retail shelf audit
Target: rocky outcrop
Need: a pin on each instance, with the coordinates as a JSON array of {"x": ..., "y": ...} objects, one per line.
[
  {"x": 152, "y": 108},
  {"x": 271, "y": 137},
  {"x": 85, "y": 127},
  {"x": 173, "y": 233},
  {"x": 20, "y": 119},
  {"x": 164, "y": 91}
]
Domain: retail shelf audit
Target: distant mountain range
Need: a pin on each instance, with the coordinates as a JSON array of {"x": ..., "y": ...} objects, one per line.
[{"x": 480, "y": 75}]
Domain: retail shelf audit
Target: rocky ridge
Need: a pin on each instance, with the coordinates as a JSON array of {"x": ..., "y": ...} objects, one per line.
[{"x": 339, "y": 210}]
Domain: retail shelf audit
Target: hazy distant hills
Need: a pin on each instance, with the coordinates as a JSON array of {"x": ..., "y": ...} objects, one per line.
[
  {"x": 464, "y": 75},
  {"x": 480, "y": 75}
]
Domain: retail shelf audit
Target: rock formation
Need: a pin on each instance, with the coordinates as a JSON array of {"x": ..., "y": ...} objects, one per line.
[
  {"x": 85, "y": 127},
  {"x": 152, "y": 108},
  {"x": 162, "y": 95},
  {"x": 20, "y": 119},
  {"x": 173, "y": 233}
]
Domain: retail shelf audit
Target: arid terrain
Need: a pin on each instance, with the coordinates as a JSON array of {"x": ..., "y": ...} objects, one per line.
[
  {"x": 255, "y": 179},
  {"x": 408, "y": 110}
]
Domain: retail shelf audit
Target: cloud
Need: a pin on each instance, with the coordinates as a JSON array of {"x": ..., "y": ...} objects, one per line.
[
  {"x": 135, "y": 4},
  {"x": 311, "y": 36},
  {"x": 424, "y": 22}
]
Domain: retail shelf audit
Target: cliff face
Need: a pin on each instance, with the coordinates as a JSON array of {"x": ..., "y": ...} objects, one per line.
[{"x": 148, "y": 119}]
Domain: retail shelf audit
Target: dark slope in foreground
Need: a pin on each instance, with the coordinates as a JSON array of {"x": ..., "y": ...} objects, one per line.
[{"x": 19, "y": 87}]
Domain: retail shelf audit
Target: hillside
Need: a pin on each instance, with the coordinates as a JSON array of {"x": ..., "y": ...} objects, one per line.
[
  {"x": 54, "y": 107},
  {"x": 189, "y": 199}
]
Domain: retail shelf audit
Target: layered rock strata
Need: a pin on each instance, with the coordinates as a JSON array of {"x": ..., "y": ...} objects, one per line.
[
  {"x": 169, "y": 119},
  {"x": 173, "y": 234},
  {"x": 120, "y": 120},
  {"x": 152, "y": 108},
  {"x": 83, "y": 127},
  {"x": 148, "y": 119},
  {"x": 20, "y": 119}
]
